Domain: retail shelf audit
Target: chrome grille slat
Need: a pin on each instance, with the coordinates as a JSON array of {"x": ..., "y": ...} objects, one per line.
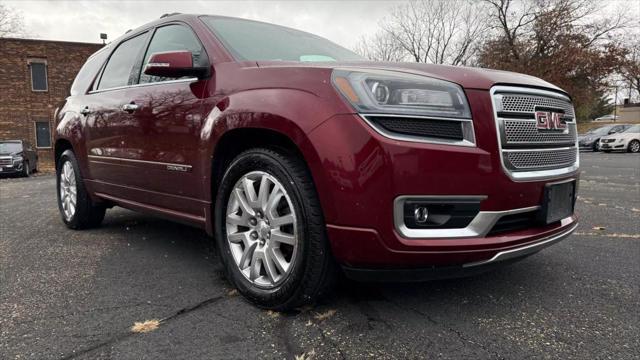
[
  {"x": 526, "y": 152},
  {"x": 6, "y": 161},
  {"x": 525, "y": 131},
  {"x": 527, "y": 104}
]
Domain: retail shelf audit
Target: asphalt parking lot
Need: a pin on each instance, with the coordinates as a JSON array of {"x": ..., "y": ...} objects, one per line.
[{"x": 67, "y": 294}]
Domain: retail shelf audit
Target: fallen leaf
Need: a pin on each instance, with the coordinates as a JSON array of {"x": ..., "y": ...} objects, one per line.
[
  {"x": 273, "y": 314},
  {"x": 233, "y": 292},
  {"x": 306, "y": 356},
  {"x": 145, "y": 326},
  {"x": 599, "y": 228},
  {"x": 634, "y": 209},
  {"x": 325, "y": 315}
]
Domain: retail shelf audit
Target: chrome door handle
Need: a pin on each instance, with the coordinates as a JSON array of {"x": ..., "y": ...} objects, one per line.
[{"x": 130, "y": 107}]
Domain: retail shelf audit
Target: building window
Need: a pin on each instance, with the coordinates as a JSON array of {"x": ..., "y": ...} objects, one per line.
[
  {"x": 38, "y": 69},
  {"x": 43, "y": 134}
]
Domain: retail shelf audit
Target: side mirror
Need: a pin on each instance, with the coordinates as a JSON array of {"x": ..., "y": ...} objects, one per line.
[
  {"x": 173, "y": 64},
  {"x": 612, "y": 132}
]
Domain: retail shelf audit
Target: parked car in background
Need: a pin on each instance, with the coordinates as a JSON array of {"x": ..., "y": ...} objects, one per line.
[
  {"x": 628, "y": 140},
  {"x": 303, "y": 159},
  {"x": 605, "y": 118},
  {"x": 17, "y": 157},
  {"x": 591, "y": 139}
]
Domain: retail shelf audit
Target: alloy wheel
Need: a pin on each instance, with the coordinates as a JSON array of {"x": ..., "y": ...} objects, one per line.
[
  {"x": 261, "y": 229},
  {"x": 68, "y": 190},
  {"x": 635, "y": 146}
]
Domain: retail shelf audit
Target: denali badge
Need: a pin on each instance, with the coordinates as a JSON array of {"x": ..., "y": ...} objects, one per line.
[
  {"x": 549, "y": 120},
  {"x": 182, "y": 168}
]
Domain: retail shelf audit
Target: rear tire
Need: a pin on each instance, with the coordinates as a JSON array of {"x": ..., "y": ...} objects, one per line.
[
  {"x": 634, "y": 146},
  {"x": 288, "y": 274},
  {"x": 77, "y": 209}
]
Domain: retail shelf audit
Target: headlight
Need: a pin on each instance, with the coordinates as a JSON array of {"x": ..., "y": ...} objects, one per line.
[{"x": 389, "y": 92}]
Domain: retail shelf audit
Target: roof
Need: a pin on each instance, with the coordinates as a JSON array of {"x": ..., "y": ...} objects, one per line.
[{"x": 50, "y": 41}]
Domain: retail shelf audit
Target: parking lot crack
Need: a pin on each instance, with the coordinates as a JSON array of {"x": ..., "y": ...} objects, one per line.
[{"x": 120, "y": 336}]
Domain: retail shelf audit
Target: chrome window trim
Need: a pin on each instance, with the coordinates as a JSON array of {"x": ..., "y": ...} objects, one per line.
[
  {"x": 191, "y": 79},
  {"x": 480, "y": 226},
  {"x": 467, "y": 129},
  {"x": 534, "y": 175},
  {"x": 102, "y": 157}
]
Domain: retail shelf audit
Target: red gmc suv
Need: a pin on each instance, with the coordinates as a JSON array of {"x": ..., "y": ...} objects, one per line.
[{"x": 303, "y": 160}]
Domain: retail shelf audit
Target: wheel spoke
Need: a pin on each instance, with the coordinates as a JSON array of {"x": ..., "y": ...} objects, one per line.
[
  {"x": 269, "y": 267},
  {"x": 250, "y": 192},
  {"x": 256, "y": 264},
  {"x": 284, "y": 238},
  {"x": 282, "y": 220},
  {"x": 233, "y": 219},
  {"x": 274, "y": 198},
  {"x": 242, "y": 201},
  {"x": 239, "y": 238},
  {"x": 279, "y": 260},
  {"x": 248, "y": 256},
  {"x": 263, "y": 193}
]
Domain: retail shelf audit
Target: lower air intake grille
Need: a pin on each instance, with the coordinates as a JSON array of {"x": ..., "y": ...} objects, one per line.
[
  {"x": 519, "y": 160},
  {"x": 446, "y": 129}
]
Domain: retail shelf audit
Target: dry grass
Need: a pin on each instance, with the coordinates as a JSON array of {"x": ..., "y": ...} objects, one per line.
[
  {"x": 325, "y": 315},
  {"x": 145, "y": 326}
]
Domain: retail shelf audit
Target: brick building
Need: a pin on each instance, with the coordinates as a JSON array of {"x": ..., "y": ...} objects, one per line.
[{"x": 35, "y": 76}]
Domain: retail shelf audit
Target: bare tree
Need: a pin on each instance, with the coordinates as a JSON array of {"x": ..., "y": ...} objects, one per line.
[
  {"x": 436, "y": 31},
  {"x": 380, "y": 47},
  {"x": 630, "y": 70},
  {"x": 11, "y": 24}
]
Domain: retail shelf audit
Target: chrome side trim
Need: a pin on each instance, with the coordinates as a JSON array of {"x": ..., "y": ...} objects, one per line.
[
  {"x": 174, "y": 165},
  {"x": 193, "y": 79},
  {"x": 467, "y": 130},
  {"x": 478, "y": 227},
  {"x": 524, "y": 250},
  {"x": 531, "y": 175}
]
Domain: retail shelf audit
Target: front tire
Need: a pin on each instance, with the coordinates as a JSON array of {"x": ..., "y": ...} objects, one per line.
[
  {"x": 634, "y": 146},
  {"x": 596, "y": 146},
  {"x": 271, "y": 232},
  {"x": 77, "y": 209},
  {"x": 26, "y": 170}
]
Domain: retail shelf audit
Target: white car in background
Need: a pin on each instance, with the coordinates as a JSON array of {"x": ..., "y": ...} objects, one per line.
[
  {"x": 628, "y": 140},
  {"x": 606, "y": 118}
]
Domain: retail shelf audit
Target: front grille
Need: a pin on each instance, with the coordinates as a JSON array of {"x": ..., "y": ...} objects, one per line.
[
  {"x": 6, "y": 161},
  {"x": 525, "y": 132},
  {"x": 528, "y": 103},
  {"x": 446, "y": 129},
  {"x": 528, "y": 152},
  {"x": 547, "y": 159}
]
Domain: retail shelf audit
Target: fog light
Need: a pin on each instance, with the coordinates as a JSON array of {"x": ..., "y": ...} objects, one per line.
[{"x": 421, "y": 213}]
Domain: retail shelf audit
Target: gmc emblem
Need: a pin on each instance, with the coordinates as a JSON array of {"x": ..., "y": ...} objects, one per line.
[{"x": 548, "y": 120}]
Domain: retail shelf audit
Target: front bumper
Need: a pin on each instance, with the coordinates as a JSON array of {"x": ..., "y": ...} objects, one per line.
[
  {"x": 360, "y": 174},
  {"x": 613, "y": 146},
  {"x": 9, "y": 170}
]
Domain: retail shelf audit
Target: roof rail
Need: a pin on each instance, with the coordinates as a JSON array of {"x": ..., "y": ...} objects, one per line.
[{"x": 167, "y": 15}]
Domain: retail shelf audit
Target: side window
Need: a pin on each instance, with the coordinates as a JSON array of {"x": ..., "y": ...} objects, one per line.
[
  {"x": 38, "y": 69},
  {"x": 122, "y": 68},
  {"x": 173, "y": 38},
  {"x": 88, "y": 72}
]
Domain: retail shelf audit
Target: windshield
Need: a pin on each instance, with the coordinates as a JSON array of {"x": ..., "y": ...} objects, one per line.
[
  {"x": 251, "y": 40},
  {"x": 10, "y": 147},
  {"x": 633, "y": 129},
  {"x": 600, "y": 131}
]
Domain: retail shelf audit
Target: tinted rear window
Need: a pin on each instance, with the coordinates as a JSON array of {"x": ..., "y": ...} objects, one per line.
[
  {"x": 88, "y": 72},
  {"x": 251, "y": 40}
]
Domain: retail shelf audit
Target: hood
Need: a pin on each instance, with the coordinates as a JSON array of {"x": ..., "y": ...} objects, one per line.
[{"x": 467, "y": 77}]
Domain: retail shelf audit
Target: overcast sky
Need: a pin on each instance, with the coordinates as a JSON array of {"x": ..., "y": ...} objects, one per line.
[{"x": 340, "y": 21}]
